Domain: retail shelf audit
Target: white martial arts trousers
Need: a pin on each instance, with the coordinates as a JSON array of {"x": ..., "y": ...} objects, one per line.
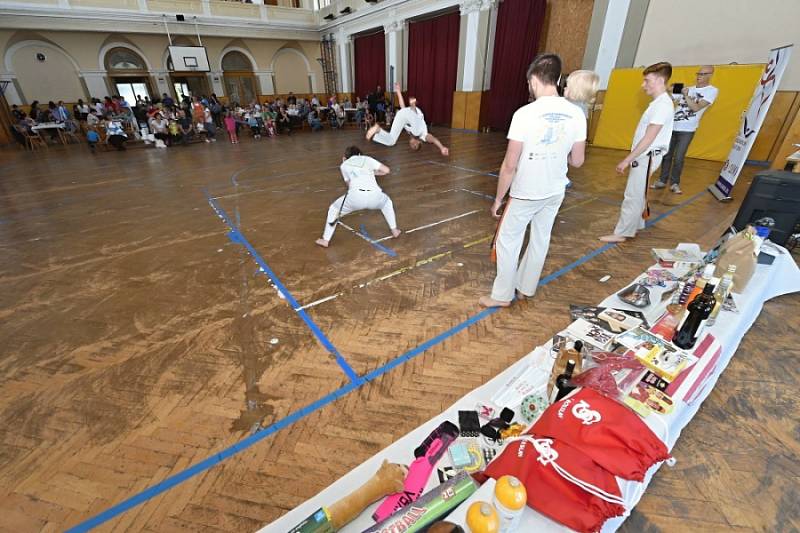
[
  {"x": 511, "y": 272},
  {"x": 630, "y": 216},
  {"x": 398, "y": 124},
  {"x": 356, "y": 200}
]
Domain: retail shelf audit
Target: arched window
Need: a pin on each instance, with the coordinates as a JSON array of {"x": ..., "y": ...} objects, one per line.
[
  {"x": 236, "y": 61},
  {"x": 124, "y": 59}
]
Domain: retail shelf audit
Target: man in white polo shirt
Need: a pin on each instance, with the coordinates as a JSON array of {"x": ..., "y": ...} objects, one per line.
[
  {"x": 692, "y": 104},
  {"x": 650, "y": 143},
  {"x": 544, "y": 136}
]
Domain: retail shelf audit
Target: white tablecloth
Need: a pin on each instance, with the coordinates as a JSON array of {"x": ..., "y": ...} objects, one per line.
[{"x": 769, "y": 281}]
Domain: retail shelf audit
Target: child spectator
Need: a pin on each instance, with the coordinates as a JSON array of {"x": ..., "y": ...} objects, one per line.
[
  {"x": 92, "y": 138},
  {"x": 230, "y": 126}
]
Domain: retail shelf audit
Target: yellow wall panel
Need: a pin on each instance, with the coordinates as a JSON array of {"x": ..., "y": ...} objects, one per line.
[{"x": 625, "y": 102}]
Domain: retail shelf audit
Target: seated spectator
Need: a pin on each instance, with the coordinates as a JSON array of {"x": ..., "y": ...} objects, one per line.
[
  {"x": 160, "y": 128},
  {"x": 167, "y": 101},
  {"x": 92, "y": 119},
  {"x": 17, "y": 113},
  {"x": 98, "y": 107},
  {"x": 186, "y": 128},
  {"x": 314, "y": 121},
  {"x": 115, "y": 135},
  {"x": 255, "y": 127},
  {"x": 314, "y": 101},
  {"x": 174, "y": 128},
  {"x": 339, "y": 113},
  {"x": 284, "y": 121},
  {"x": 33, "y": 114},
  {"x": 80, "y": 110},
  {"x": 92, "y": 137}
]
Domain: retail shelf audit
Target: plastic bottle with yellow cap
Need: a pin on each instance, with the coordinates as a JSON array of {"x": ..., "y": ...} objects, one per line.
[
  {"x": 510, "y": 498},
  {"x": 482, "y": 518}
]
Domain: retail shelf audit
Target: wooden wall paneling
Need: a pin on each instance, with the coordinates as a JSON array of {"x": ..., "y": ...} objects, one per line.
[
  {"x": 777, "y": 116},
  {"x": 566, "y": 29},
  {"x": 472, "y": 116},
  {"x": 459, "y": 109},
  {"x": 787, "y": 147}
]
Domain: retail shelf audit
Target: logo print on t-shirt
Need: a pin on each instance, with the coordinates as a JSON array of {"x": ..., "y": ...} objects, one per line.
[{"x": 583, "y": 412}]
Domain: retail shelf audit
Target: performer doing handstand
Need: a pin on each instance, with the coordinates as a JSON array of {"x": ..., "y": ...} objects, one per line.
[{"x": 412, "y": 120}]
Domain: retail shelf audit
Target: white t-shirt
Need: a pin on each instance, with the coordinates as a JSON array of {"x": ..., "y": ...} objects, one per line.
[
  {"x": 660, "y": 111},
  {"x": 685, "y": 118},
  {"x": 359, "y": 173},
  {"x": 414, "y": 121},
  {"x": 547, "y": 129}
]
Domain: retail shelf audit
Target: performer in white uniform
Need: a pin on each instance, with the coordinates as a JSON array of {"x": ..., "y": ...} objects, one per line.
[
  {"x": 650, "y": 143},
  {"x": 412, "y": 120},
  {"x": 544, "y": 136},
  {"x": 363, "y": 192}
]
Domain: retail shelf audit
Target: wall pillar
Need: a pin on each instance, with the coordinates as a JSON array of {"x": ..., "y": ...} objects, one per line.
[
  {"x": 395, "y": 52},
  {"x": 475, "y": 53},
  {"x": 265, "y": 81},
  {"x": 216, "y": 81},
  {"x": 95, "y": 81},
  {"x": 343, "y": 45}
]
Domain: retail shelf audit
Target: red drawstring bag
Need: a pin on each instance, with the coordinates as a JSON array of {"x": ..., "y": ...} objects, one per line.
[
  {"x": 537, "y": 463},
  {"x": 607, "y": 432}
]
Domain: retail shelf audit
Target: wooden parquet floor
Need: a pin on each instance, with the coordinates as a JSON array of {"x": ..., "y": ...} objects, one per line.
[{"x": 139, "y": 340}]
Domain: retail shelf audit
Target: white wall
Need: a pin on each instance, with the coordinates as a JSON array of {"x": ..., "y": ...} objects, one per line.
[{"x": 687, "y": 32}]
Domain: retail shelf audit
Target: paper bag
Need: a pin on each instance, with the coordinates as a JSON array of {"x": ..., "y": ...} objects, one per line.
[{"x": 739, "y": 250}]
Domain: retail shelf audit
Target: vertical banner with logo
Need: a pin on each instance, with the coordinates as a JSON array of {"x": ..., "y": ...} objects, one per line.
[{"x": 752, "y": 121}]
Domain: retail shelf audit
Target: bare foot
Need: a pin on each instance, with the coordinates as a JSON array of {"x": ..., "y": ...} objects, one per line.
[
  {"x": 445, "y": 151},
  {"x": 372, "y": 131},
  {"x": 322, "y": 242},
  {"x": 613, "y": 238},
  {"x": 487, "y": 301},
  {"x": 396, "y": 233}
]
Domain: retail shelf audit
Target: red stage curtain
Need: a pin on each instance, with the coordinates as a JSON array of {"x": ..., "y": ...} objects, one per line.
[
  {"x": 433, "y": 65},
  {"x": 370, "y": 63},
  {"x": 519, "y": 30}
]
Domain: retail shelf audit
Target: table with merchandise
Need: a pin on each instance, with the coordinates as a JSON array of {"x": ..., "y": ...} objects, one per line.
[{"x": 569, "y": 437}]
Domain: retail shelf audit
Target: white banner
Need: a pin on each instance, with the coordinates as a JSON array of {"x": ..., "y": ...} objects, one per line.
[{"x": 752, "y": 121}]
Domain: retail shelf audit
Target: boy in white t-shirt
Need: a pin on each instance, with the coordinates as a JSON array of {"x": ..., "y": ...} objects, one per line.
[
  {"x": 650, "y": 143},
  {"x": 544, "y": 136},
  {"x": 692, "y": 104},
  {"x": 363, "y": 192}
]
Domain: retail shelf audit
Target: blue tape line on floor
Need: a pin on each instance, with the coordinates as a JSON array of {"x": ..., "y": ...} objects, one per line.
[
  {"x": 379, "y": 246},
  {"x": 237, "y": 237},
  {"x": 247, "y": 442}
]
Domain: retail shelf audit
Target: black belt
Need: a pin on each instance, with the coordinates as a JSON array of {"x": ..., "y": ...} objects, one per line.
[{"x": 365, "y": 190}]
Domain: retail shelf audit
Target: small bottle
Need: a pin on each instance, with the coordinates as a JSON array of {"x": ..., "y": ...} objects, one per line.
[
  {"x": 666, "y": 325},
  {"x": 724, "y": 289},
  {"x": 563, "y": 386},
  {"x": 510, "y": 498},
  {"x": 708, "y": 272},
  {"x": 699, "y": 310},
  {"x": 482, "y": 518}
]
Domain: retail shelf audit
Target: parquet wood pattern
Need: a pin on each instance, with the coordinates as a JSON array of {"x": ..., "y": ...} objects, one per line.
[{"x": 137, "y": 338}]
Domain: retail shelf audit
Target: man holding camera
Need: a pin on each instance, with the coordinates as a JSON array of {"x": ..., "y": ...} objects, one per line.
[{"x": 692, "y": 103}]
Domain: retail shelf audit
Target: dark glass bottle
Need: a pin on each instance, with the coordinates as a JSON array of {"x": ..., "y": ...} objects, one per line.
[
  {"x": 699, "y": 310},
  {"x": 563, "y": 386}
]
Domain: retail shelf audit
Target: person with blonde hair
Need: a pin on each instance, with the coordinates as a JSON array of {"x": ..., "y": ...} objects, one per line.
[
  {"x": 582, "y": 87},
  {"x": 650, "y": 143}
]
